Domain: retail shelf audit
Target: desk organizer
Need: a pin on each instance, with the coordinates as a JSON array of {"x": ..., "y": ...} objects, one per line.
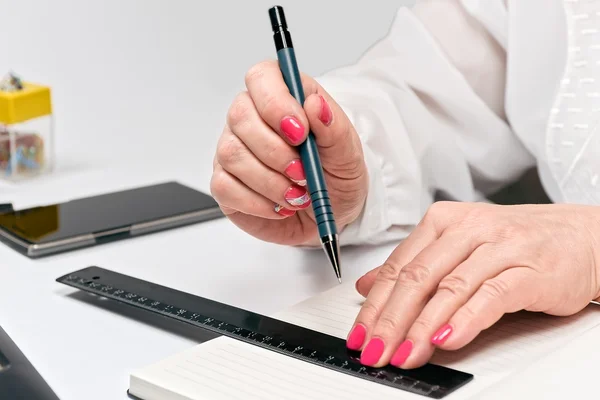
[{"x": 26, "y": 129}]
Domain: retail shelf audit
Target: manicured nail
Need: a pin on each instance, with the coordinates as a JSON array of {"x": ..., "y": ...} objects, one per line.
[
  {"x": 297, "y": 196},
  {"x": 326, "y": 116},
  {"x": 372, "y": 353},
  {"x": 402, "y": 353},
  {"x": 295, "y": 171},
  {"x": 292, "y": 129},
  {"x": 356, "y": 338},
  {"x": 284, "y": 211},
  {"x": 441, "y": 335}
]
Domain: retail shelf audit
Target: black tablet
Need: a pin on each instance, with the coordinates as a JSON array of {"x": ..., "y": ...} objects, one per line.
[{"x": 89, "y": 221}]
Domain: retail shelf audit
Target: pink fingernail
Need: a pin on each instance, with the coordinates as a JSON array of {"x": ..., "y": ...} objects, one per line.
[
  {"x": 402, "y": 353},
  {"x": 372, "y": 353},
  {"x": 326, "y": 116},
  {"x": 295, "y": 171},
  {"x": 297, "y": 196},
  {"x": 441, "y": 335},
  {"x": 356, "y": 338},
  {"x": 284, "y": 211},
  {"x": 292, "y": 129}
]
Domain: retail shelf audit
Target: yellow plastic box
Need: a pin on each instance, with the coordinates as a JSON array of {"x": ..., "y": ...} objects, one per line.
[{"x": 26, "y": 132}]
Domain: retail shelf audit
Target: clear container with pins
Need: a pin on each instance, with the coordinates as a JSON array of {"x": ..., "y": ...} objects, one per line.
[{"x": 26, "y": 129}]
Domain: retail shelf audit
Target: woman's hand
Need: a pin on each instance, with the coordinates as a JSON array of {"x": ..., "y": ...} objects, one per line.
[
  {"x": 258, "y": 178},
  {"x": 464, "y": 266}
]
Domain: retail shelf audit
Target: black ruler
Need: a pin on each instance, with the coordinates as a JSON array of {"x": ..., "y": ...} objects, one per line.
[{"x": 431, "y": 380}]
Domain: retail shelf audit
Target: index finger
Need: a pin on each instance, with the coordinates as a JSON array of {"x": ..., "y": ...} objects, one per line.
[
  {"x": 385, "y": 280},
  {"x": 276, "y": 106}
]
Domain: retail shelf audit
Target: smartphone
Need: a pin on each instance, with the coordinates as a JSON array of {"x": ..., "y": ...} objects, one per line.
[{"x": 90, "y": 221}]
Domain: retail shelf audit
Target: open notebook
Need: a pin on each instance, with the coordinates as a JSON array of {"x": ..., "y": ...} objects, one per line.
[{"x": 226, "y": 368}]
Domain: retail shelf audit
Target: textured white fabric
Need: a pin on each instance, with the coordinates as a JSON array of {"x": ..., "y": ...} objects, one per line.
[
  {"x": 458, "y": 97},
  {"x": 573, "y": 139}
]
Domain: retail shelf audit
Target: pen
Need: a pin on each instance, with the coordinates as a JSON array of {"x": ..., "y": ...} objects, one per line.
[{"x": 315, "y": 180}]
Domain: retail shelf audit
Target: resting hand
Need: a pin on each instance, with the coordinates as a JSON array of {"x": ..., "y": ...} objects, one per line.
[{"x": 464, "y": 266}]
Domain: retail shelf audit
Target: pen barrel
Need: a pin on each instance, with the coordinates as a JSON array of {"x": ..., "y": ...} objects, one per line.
[{"x": 309, "y": 153}]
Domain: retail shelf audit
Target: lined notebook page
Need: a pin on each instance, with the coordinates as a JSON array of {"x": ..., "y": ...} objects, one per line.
[{"x": 225, "y": 368}]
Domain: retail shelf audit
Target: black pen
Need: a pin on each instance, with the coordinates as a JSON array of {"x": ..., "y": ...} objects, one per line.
[{"x": 315, "y": 180}]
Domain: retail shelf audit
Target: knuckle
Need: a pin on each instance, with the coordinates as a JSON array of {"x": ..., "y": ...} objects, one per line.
[
  {"x": 466, "y": 313},
  {"x": 388, "y": 272},
  {"x": 414, "y": 274},
  {"x": 387, "y": 323},
  {"x": 270, "y": 106},
  {"x": 434, "y": 212},
  {"x": 272, "y": 154},
  {"x": 231, "y": 151},
  {"x": 510, "y": 231},
  {"x": 495, "y": 288},
  {"x": 271, "y": 184},
  {"x": 455, "y": 285},
  {"x": 476, "y": 213},
  {"x": 422, "y": 325},
  {"x": 475, "y": 217},
  {"x": 240, "y": 109},
  {"x": 256, "y": 72},
  {"x": 218, "y": 184},
  {"x": 351, "y": 162},
  {"x": 368, "y": 311}
]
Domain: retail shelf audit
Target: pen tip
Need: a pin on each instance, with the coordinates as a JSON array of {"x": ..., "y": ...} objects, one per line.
[{"x": 332, "y": 249}]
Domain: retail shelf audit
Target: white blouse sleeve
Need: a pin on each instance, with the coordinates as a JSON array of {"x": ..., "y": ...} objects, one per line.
[{"x": 427, "y": 103}]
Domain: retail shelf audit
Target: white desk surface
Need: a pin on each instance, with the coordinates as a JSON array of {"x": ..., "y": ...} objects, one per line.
[{"x": 140, "y": 90}]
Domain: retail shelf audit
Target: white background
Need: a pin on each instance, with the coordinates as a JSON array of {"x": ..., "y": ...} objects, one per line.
[{"x": 140, "y": 90}]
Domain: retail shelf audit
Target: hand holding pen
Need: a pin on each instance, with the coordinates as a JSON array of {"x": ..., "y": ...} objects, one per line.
[{"x": 259, "y": 177}]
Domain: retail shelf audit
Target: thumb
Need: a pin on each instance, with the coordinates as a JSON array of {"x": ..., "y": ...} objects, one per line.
[
  {"x": 339, "y": 145},
  {"x": 365, "y": 283}
]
